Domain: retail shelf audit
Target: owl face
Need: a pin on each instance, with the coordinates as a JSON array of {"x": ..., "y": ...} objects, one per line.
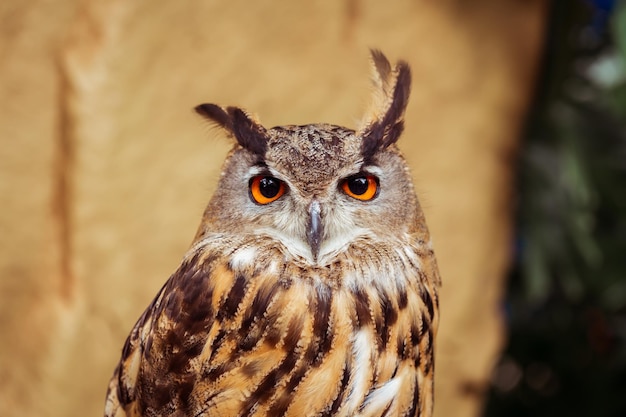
[
  {"x": 314, "y": 191},
  {"x": 318, "y": 188}
]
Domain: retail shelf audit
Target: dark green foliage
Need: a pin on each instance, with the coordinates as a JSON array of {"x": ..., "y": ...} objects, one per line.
[{"x": 566, "y": 304}]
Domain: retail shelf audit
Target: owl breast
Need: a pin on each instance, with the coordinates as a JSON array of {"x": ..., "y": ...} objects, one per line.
[{"x": 251, "y": 332}]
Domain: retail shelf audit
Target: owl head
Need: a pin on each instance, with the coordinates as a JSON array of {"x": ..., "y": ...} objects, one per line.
[{"x": 318, "y": 188}]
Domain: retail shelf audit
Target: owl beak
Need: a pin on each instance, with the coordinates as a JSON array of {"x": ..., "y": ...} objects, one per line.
[{"x": 314, "y": 230}]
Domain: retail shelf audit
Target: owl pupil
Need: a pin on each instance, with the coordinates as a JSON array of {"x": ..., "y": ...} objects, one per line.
[
  {"x": 269, "y": 187},
  {"x": 358, "y": 185}
]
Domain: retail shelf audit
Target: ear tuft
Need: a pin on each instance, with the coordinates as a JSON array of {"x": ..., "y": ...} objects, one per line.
[
  {"x": 383, "y": 122},
  {"x": 249, "y": 133},
  {"x": 215, "y": 114}
]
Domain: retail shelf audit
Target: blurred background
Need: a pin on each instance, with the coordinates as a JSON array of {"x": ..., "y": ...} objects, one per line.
[
  {"x": 566, "y": 301},
  {"x": 514, "y": 132}
]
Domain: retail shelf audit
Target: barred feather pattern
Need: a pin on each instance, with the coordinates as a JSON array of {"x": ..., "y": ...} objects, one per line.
[{"x": 244, "y": 329}]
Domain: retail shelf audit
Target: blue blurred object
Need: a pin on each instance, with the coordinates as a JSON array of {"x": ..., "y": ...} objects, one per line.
[{"x": 601, "y": 14}]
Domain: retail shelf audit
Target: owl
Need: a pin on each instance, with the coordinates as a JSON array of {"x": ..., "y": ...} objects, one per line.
[{"x": 311, "y": 288}]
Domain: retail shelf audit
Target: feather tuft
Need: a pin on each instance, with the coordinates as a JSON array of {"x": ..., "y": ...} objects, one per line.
[
  {"x": 383, "y": 122},
  {"x": 249, "y": 133}
]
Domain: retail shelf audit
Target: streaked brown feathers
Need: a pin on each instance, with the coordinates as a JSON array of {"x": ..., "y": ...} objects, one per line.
[{"x": 267, "y": 339}]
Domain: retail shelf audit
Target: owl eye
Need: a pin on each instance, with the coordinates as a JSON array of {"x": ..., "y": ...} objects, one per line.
[
  {"x": 265, "y": 189},
  {"x": 363, "y": 187}
]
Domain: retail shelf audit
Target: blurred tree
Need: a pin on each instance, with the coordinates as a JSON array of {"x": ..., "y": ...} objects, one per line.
[{"x": 566, "y": 305}]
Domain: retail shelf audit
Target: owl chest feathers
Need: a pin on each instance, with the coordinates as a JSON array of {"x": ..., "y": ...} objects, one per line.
[{"x": 252, "y": 333}]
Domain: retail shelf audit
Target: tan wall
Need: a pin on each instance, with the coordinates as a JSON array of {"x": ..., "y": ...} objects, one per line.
[{"x": 105, "y": 170}]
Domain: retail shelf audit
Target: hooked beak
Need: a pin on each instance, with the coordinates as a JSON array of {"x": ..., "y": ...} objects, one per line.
[{"x": 314, "y": 230}]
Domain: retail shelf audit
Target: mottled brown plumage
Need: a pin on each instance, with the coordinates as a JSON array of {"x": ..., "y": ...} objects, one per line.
[{"x": 316, "y": 297}]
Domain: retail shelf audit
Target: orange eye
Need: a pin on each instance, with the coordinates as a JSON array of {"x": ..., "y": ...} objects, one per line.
[
  {"x": 363, "y": 187},
  {"x": 265, "y": 189}
]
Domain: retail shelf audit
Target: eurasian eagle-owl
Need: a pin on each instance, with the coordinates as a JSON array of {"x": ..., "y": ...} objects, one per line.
[{"x": 311, "y": 286}]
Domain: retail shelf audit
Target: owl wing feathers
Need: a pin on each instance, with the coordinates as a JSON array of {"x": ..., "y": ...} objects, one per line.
[
  {"x": 122, "y": 391},
  {"x": 223, "y": 338}
]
